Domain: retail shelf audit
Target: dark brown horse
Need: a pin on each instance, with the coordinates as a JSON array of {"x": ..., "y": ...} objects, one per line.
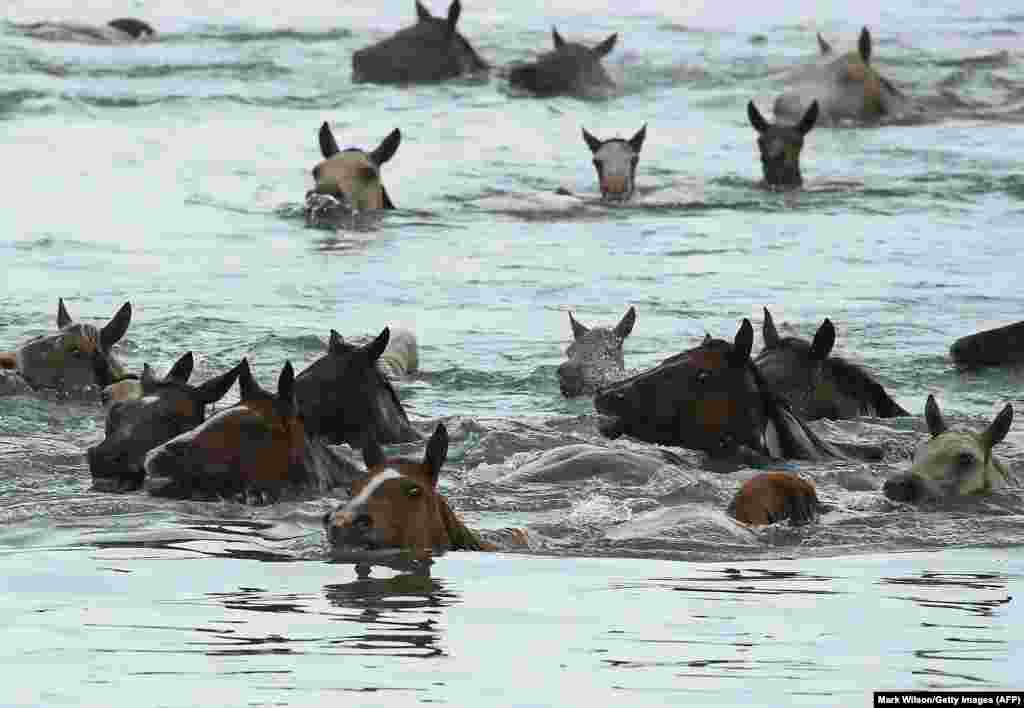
[
  {"x": 711, "y": 398},
  {"x": 991, "y": 347},
  {"x": 570, "y": 68},
  {"x": 163, "y": 409},
  {"x": 258, "y": 449},
  {"x": 780, "y": 146},
  {"x": 816, "y": 384}
]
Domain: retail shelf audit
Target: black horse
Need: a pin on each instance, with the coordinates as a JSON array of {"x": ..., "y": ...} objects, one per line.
[{"x": 570, "y": 68}]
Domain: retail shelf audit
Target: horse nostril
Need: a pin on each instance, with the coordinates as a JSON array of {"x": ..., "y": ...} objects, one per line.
[{"x": 363, "y": 522}]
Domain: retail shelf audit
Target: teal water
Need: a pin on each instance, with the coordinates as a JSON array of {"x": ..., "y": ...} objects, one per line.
[{"x": 172, "y": 175}]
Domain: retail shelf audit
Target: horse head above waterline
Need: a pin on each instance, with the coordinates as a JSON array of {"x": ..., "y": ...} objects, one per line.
[
  {"x": 397, "y": 507},
  {"x": 570, "y": 69},
  {"x": 119, "y": 31},
  {"x": 75, "y": 359},
  {"x": 431, "y": 50},
  {"x": 771, "y": 497},
  {"x": 815, "y": 384},
  {"x": 780, "y": 146},
  {"x": 847, "y": 87},
  {"x": 710, "y": 398},
  {"x": 163, "y": 409},
  {"x": 615, "y": 161},
  {"x": 595, "y": 356},
  {"x": 991, "y": 347},
  {"x": 258, "y": 447},
  {"x": 345, "y": 397},
  {"x": 952, "y": 462},
  {"x": 349, "y": 180}
]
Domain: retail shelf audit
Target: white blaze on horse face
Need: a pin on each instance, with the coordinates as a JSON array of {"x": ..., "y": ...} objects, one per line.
[
  {"x": 616, "y": 166},
  {"x": 344, "y": 516}
]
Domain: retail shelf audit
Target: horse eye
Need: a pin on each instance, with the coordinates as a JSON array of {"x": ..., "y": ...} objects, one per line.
[
  {"x": 965, "y": 460},
  {"x": 412, "y": 491}
]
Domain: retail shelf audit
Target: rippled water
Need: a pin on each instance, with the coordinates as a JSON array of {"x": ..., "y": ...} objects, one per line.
[{"x": 172, "y": 174}]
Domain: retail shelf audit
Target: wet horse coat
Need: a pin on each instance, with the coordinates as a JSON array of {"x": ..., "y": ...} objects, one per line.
[
  {"x": 780, "y": 147},
  {"x": 816, "y": 384},
  {"x": 775, "y": 496},
  {"x": 570, "y": 68},
  {"x": 431, "y": 50},
  {"x": 595, "y": 356},
  {"x": 992, "y": 347},
  {"x": 615, "y": 161}
]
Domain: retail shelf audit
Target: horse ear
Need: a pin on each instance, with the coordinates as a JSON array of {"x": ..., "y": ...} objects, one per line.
[
  {"x": 247, "y": 386},
  {"x": 63, "y": 318},
  {"x": 823, "y": 46},
  {"x": 557, "y": 38},
  {"x": 625, "y": 325},
  {"x": 707, "y": 339},
  {"x": 375, "y": 348},
  {"x": 593, "y": 143},
  {"x": 605, "y": 47},
  {"x": 328, "y": 145},
  {"x": 454, "y": 10},
  {"x": 756, "y": 119},
  {"x": 216, "y": 388},
  {"x": 999, "y": 427},
  {"x": 809, "y": 119},
  {"x": 933, "y": 416},
  {"x": 421, "y": 12},
  {"x": 768, "y": 331},
  {"x": 182, "y": 369},
  {"x": 335, "y": 344},
  {"x": 286, "y": 383},
  {"x": 742, "y": 344},
  {"x": 824, "y": 340},
  {"x": 387, "y": 147},
  {"x": 578, "y": 330},
  {"x": 148, "y": 378},
  {"x": 373, "y": 455},
  {"x": 637, "y": 141},
  {"x": 437, "y": 451},
  {"x": 113, "y": 331},
  {"x": 864, "y": 45}
]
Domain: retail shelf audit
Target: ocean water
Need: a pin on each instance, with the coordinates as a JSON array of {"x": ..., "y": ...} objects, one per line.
[{"x": 172, "y": 175}]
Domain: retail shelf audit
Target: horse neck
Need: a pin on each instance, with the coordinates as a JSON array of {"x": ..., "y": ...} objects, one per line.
[
  {"x": 324, "y": 469},
  {"x": 460, "y": 537}
]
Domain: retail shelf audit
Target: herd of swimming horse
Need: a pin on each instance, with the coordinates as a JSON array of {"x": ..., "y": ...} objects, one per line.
[{"x": 714, "y": 398}]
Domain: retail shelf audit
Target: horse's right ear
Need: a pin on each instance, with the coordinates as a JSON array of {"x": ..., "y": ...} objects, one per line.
[
  {"x": 637, "y": 141},
  {"x": 593, "y": 143},
  {"x": 422, "y": 13},
  {"x": 375, "y": 348},
  {"x": 864, "y": 45},
  {"x": 625, "y": 325},
  {"x": 247, "y": 386},
  {"x": 824, "y": 340},
  {"x": 823, "y": 46},
  {"x": 605, "y": 47},
  {"x": 454, "y": 10},
  {"x": 216, "y": 388},
  {"x": 113, "y": 331},
  {"x": 387, "y": 147},
  {"x": 999, "y": 427},
  {"x": 578, "y": 330},
  {"x": 335, "y": 345},
  {"x": 756, "y": 119},
  {"x": 768, "y": 331},
  {"x": 742, "y": 344},
  {"x": 557, "y": 38},
  {"x": 63, "y": 318},
  {"x": 809, "y": 119},
  {"x": 286, "y": 383},
  {"x": 148, "y": 379},
  {"x": 933, "y": 416},
  {"x": 437, "y": 451},
  {"x": 182, "y": 369},
  {"x": 328, "y": 145}
]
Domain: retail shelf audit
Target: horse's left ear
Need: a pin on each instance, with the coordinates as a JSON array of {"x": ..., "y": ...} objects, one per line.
[
  {"x": 328, "y": 145},
  {"x": 182, "y": 369},
  {"x": 557, "y": 38},
  {"x": 864, "y": 45},
  {"x": 286, "y": 383},
  {"x": 605, "y": 47},
  {"x": 63, "y": 318},
  {"x": 637, "y": 141},
  {"x": 823, "y": 46},
  {"x": 742, "y": 344},
  {"x": 335, "y": 345},
  {"x": 593, "y": 143},
  {"x": 824, "y": 340},
  {"x": 756, "y": 119},
  {"x": 809, "y": 119},
  {"x": 248, "y": 388},
  {"x": 933, "y": 417},
  {"x": 578, "y": 329},
  {"x": 768, "y": 331},
  {"x": 999, "y": 427},
  {"x": 113, "y": 331},
  {"x": 387, "y": 147},
  {"x": 625, "y": 325},
  {"x": 216, "y": 388},
  {"x": 437, "y": 451},
  {"x": 422, "y": 13},
  {"x": 375, "y": 348},
  {"x": 454, "y": 10}
]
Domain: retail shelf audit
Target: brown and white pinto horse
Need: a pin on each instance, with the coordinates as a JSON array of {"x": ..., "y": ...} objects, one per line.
[
  {"x": 397, "y": 509},
  {"x": 257, "y": 449},
  {"x": 775, "y": 496}
]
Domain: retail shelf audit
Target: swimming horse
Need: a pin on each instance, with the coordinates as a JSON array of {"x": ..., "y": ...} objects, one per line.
[
  {"x": 119, "y": 31},
  {"x": 396, "y": 508},
  {"x": 430, "y": 50},
  {"x": 615, "y": 161},
  {"x": 771, "y": 497},
  {"x": 595, "y": 356},
  {"x": 146, "y": 413},
  {"x": 952, "y": 462},
  {"x": 816, "y": 384},
  {"x": 570, "y": 69},
  {"x": 77, "y": 359},
  {"x": 348, "y": 180},
  {"x": 257, "y": 450},
  {"x": 712, "y": 398},
  {"x": 780, "y": 147},
  {"x": 991, "y": 347},
  {"x": 847, "y": 87}
]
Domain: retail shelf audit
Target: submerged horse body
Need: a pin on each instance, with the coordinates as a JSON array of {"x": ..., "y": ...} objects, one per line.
[
  {"x": 595, "y": 356},
  {"x": 430, "y": 50},
  {"x": 77, "y": 359},
  {"x": 816, "y": 384},
  {"x": 846, "y": 87},
  {"x": 569, "y": 69},
  {"x": 951, "y": 462}
]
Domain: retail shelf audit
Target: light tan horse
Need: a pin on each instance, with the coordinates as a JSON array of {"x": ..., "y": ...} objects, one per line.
[{"x": 352, "y": 176}]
